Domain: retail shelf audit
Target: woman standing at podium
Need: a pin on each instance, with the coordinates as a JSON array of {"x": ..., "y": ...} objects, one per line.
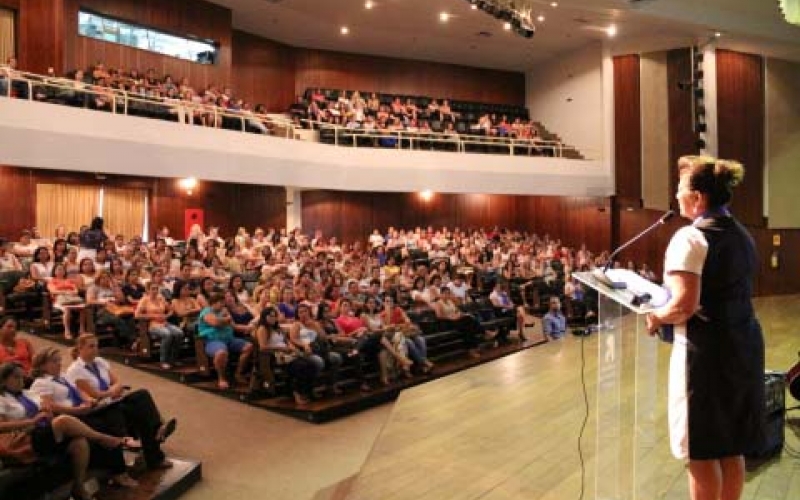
[{"x": 716, "y": 382}]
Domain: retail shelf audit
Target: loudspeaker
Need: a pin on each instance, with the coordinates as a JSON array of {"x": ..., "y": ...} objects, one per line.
[
  {"x": 192, "y": 216},
  {"x": 772, "y": 430}
]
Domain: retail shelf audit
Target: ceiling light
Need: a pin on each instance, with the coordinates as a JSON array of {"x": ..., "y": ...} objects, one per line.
[
  {"x": 444, "y": 17},
  {"x": 507, "y": 26},
  {"x": 426, "y": 195},
  {"x": 540, "y": 18},
  {"x": 717, "y": 34},
  {"x": 369, "y": 4},
  {"x": 553, "y": 4},
  {"x": 474, "y": 6},
  {"x": 611, "y": 30},
  {"x": 344, "y": 30},
  {"x": 188, "y": 184}
]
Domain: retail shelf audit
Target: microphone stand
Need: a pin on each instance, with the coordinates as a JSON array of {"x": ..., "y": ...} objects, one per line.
[{"x": 601, "y": 274}]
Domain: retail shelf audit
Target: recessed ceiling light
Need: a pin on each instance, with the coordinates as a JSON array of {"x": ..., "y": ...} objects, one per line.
[
  {"x": 474, "y": 6},
  {"x": 344, "y": 30},
  {"x": 444, "y": 17},
  {"x": 611, "y": 30},
  {"x": 369, "y": 4},
  {"x": 540, "y": 18},
  {"x": 553, "y": 4},
  {"x": 507, "y": 26},
  {"x": 717, "y": 34}
]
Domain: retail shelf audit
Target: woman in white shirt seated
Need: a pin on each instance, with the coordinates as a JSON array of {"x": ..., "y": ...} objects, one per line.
[
  {"x": 93, "y": 375},
  {"x": 42, "y": 265},
  {"x": 8, "y": 261},
  {"x": 63, "y": 398},
  {"x": 29, "y": 431}
]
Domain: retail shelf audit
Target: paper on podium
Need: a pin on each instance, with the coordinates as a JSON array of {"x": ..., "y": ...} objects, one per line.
[
  {"x": 640, "y": 285},
  {"x": 636, "y": 286}
]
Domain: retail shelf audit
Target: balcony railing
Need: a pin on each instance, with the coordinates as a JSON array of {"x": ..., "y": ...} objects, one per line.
[{"x": 30, "y": 86}]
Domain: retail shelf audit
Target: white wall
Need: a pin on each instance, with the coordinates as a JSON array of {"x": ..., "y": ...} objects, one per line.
[
  {"x": 782, "y": 167},
  {"x": 58, "y": 137},
  {"x": 566, "y": 96}
]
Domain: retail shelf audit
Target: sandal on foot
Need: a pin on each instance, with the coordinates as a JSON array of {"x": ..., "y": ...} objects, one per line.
[{"x": 166, "y": 430}]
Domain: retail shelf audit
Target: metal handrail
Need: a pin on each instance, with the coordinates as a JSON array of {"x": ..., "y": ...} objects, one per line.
[
  {"x": 462, "y": 140},
  {"x": 121, "y": 103}
]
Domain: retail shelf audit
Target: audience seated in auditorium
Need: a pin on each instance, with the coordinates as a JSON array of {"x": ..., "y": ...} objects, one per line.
[
  {"x": 554, "y": 323},
  {"x": 30, "y": 431},
  {"x": 215, "y": 327},
  {"x": 63, "y": 398},
  {"x": 14, "y": 348},
  {"x": 95, "y": 377}
]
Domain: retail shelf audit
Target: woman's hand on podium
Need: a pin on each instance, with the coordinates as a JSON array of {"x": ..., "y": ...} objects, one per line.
[{"x": 653, "y": 324}]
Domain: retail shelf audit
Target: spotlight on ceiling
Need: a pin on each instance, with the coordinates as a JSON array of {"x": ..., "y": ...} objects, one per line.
[
  {"x": 540, "y": 18},
  {"x": 369, "y": 4},
  {"x": 344, "y": 30},
  {"x": 611, "y": 31},
  {"x": 513, "y": 18},
  {"x": 444, "y": 17}
]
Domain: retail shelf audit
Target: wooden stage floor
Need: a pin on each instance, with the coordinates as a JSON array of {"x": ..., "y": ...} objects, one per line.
[{"x": 509, "y": 429}]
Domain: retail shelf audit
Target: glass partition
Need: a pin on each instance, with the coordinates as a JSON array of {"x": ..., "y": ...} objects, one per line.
[{"x": 112, "y": 30}]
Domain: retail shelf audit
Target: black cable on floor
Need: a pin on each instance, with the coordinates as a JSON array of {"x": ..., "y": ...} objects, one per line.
[{"x": 585, "y": 416}]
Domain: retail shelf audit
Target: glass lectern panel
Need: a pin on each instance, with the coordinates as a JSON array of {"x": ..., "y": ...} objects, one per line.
[{"x": 628, "y": 451}]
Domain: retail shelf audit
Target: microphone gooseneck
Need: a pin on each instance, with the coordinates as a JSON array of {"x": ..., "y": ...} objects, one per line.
[
  {"x": 601, "y": 275},
  {"x": 662, "y": 220}
]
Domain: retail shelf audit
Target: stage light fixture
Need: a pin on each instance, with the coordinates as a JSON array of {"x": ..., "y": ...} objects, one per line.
[{"x": 518, "y": 20}]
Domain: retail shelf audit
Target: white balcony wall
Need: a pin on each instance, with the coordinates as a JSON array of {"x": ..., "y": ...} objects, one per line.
[{"x": 48, "y": 136}]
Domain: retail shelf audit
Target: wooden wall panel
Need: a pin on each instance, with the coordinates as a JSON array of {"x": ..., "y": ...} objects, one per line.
[
  {"x": 627, "y": 127},
  {"x": 319, "y": 68},
  {"x": 198, "y": 18},
  {"x": 41, "y": 35},
  {"x": 19, "y": 212},
  {"x": 650, "y": 249},
  {"x": 682, "y": 138},
  {"x": 740, "y": 118},
  {"x": 785, "y": 279},
  {"x": 573, "y": 220},
  {"x": 769, "y": 281},
  {"x": 263, "y": 71},
  {"x": 353, "y": 215},
  {"x": 226, "y": 205},
  {"x": 9, "y": 4}
]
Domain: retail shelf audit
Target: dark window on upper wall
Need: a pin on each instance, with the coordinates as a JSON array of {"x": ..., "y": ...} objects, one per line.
[{"x": 100, "y": 27}]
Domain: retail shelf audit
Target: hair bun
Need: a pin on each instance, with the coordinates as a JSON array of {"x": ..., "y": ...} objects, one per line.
[{"x": 730, "y": 170}]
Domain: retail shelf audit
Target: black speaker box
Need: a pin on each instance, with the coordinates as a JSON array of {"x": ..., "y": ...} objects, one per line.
[{"x": 772, "y": 437}]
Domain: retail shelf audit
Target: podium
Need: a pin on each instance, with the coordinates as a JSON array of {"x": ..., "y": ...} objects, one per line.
[{"x": 630, "y": 450}]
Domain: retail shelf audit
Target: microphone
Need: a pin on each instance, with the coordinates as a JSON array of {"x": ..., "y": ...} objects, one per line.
[{"x": 600, "y": 274}]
